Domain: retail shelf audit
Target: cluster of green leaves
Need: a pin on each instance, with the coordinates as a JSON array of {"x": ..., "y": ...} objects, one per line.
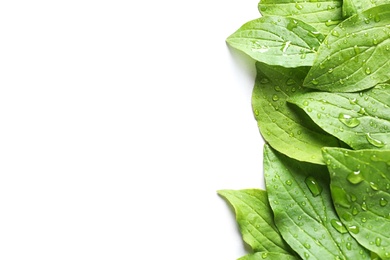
[{"x": 321, "y": 99}]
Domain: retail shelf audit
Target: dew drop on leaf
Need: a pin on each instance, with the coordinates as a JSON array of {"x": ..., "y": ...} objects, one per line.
[
  {"x": 340, "y": 197},
  {"x": 348, "y": 120},
  {"x": 374, "y": 142},
  {"x": 355, "y": 177},
  {"x": 353, "y": 229},
  {"x": 313, "y": 186},
  {"x": 383, "y": 202},
  {"x": 336, "y": 224},
  {"x": 378, "y": 241}
]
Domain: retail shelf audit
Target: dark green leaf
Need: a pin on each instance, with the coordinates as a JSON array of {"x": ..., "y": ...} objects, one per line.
[
  {"x": 360, "y": 185},
  {"x": 300, "y": 199},
  {"x": 322, "y": 15},
  {"x": 354, "y": 56},
  {"x": 361, "y": 120},
  {"x": 277, "y": 40},
  {"x": 286, "y": 128},
  {"x": 255, "y": 219}
]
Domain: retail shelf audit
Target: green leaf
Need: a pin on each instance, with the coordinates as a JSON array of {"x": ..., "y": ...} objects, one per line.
[
  {"x": 269, "y": 256},
  {"x": 300, "y": 199},
  {"x": 351, "y": 7},
  {"x": 361, "y": 120},
  {"x": 286, "y": 128},
  {"x": 255, "y": 220},
  {"x": 323, "y": 15},
  {"x": 277, "y": 40},
  {"x": 360, "y": 185},
  {"x": 354, "y": 56}
]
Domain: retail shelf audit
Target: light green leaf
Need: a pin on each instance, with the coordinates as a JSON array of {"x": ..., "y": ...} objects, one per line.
[
  {"x": 255, "y": 220},
  {"x": 361, "y": 120},
  {"x": 351, "y": 7},
  {"x": 268, "y": 256},
  {"x": 277, "y": 40},
  {"x": 322, "y": 15},
  {"x": 360, "y": 185},
  {"x": 355, "y": 55},
  {"x": 285, "y": 127},
  {"x": 300, "y": 199}
]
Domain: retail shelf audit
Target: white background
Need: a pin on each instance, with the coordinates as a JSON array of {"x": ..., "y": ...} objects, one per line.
[{"x": 119, "y": 121}]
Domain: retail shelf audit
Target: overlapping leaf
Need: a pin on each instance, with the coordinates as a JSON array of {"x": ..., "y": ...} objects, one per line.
[
  {"x": 286, "y": 128},
  {"x": 300, "y": 199},
  {"x": 322, "y": 15},
  {"x": 255, "y": 219},
  {"x": 360, "y": 186},
  {"x": 361, "y": 120},
  {"x": 351, "y": 7},
  {"x": 353, "y": 56},
  {"x": 277, "y": 40}
]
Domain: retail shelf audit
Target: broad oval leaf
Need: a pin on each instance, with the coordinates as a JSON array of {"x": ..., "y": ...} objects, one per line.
[
  {"x": 268, "y": 256},
  {"x": 255, "y": 220},
  {"x": 361, "y": 120},
  {"x": 360, "y": 186},
  {"x": 300, "y": 198},
  {"x": 285, "y": 127},
  {"x": 351, "y": 7},
  {"x": 277, "y": 40},
  {"x": 322, "y": 15},
  {"x": 355, "y": 55}
]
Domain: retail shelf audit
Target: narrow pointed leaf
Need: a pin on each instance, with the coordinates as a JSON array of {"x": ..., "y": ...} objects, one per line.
[
  {"x": 277, "y": 40},
  {"x": 255, "y": 220},
  {"x": 268, "y": 256},
  {"x": 361, "y": 120},
  {"x": 300, "y": 199},
  {"x": 360, "y": 185},
  {"x": 351, "y": 7},
  {"x": 323, "y": 15},
  {"x": 285, "y": 127},
  {"x": 354, "y": 56}
]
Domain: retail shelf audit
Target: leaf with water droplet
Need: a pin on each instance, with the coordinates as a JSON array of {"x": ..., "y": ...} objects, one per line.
[
  {"x": 364, "y": 126},
  {"x": 268, "y": 255},
  {"x": 312, "y": 217},
  {"x": 351, "y": 7},
  {"x": 353, "y": 58},
  {"x": 272, "y": 40},
  {"x": 309, "y": 12},
  {"x": 371, "y": 224},
  {"x": 255, "y": 220},
  {"x": 287, "y": 129}
]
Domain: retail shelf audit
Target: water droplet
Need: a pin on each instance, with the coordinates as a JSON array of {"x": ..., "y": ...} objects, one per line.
[
  {"x": 264, "y": 255},
  {"x": 364, "y": 220},
  {"x": 298, "y": 6},
  {"x": 349, "y": 120},
  {"x": 378, "y": 241},
  {"x": 340, "y": 197},
  {"x": 375, "y": 41},
  {"x": 277, "y": 88},
  {"x": 330, "y": 71},
  {"x": 303, "y": 55},
  {"x": 314, "y": 82},
  {"x": 335, "y": 33},
  {"x": 349, "y": 245},
  {"x": 275, "y": 98},
  {"x": 338, "y": 226},
  {"x": 355, "y": 211},
  {"x": 364, "y": 206},
  {"x": 355, "y": 177},
  {"x": 306, "y": 245},
  {"x": 306, "y": 255},
  {"x": 330, "y": 23},
  {"x": 374, "y": 142},
  {"x": 290, "y": 82},
  {"x": 313, "y": 186},
  {"x": 289, "y": 182},
  {"x": 352, "y": 101},
  {"x": 353, "y": 229},
  {"x": 368, "y": 71},
  {"x": 374, "y": 186},
  {"x": 264, "y": 80},
  {"x": 383, "y": 202}
]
